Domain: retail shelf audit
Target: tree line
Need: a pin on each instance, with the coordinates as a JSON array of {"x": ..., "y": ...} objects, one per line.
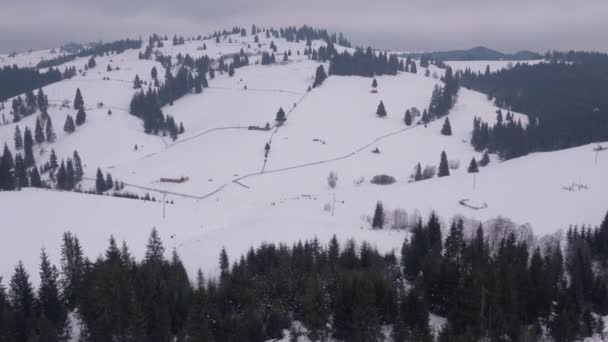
[
  {"x": 500, "y": 290},
  {"x": 565, "y": 98}
]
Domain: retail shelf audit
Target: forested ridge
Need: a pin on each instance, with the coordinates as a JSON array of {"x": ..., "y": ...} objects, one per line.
[{"x": 564, "y": 98}]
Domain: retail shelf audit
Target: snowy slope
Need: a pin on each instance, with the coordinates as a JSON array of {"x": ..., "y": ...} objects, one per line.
[{"x": 234, "y": 199}]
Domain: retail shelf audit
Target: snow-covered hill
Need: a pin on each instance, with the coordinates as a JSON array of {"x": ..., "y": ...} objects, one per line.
[{"x": 237, "y": 199}]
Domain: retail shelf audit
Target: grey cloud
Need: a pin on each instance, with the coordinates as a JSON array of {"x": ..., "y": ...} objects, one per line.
[{"x": 399, "y": 24}]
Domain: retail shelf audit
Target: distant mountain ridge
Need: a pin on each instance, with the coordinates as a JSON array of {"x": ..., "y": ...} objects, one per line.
[{"x": 479, "y": 53}]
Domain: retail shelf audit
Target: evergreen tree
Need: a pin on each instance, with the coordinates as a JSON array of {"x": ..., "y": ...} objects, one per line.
[
  {"x": 378, "y": 219},
  {"x": 53, "y": 160},
  {"x": 154, "y": 249},
  {"x": 100, "y": 183},
  {"x": 136, "y": 82},
  {"x": 28, "y": 148},
  {"x": 81, "y": 117},
  {"x": 109, "y": 181},
  {"x": 473, "y": 166},
  {"x": 418, "y": 174},
  {"x": 374, "y": 84},
  {"x": 22, "y": 299},
  {"x": 381, "y": 111},
  {"x": 407, "y": 118},
  {"x": 18, "y": 138},
  {"x": 444, "y": 169},
  {"x": 320, "y": 76},
  {"x": 281, "y": 117},
  {"x": 69, "y": 126},
  {"x": 20, "y": 172},
  {"x": 447, "y": 128},
  {"x": 35, "y": 180},
  {"x": 7, "y": 178},
  {"x": 485, "y": 159},
  {"x": 39, "y": 133},
  {"x": 50, "y": 132},
  {"x": 49, "y": 299},
  {"x": 78, "y": 170},
  {"x": 72, "y": 269},
  {"x": 78, "y": 100}
]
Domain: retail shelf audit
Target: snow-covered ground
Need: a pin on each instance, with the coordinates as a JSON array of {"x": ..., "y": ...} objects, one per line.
[
  {"x": 480, "y": 66},
  {"x": 228, "y": 200}
]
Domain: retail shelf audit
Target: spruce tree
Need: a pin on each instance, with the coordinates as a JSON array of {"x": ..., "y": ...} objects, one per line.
[
  {"x": 20, "y": 172},
  {"x": 320, "y": 76},
  {"x": 35, "y": 180},
  {"x": 444, "y": 168},
  {"x": 49, "y": 299},
  {"x": 408, "y": 118},
  {"x": 378, "y": 219},
  {"x": 69, "y": 126},
  {"x": 381, "y": 111},
  {"x": 78, "y": 170},
  {"x": 53, "y": 160},
  {"x": 447, "y": 128},
  {"x": 100, "y": 183},
  {"x": 28, "y": 146},
  {"x": 39, "y": 133},
  {"x": 374, "y": 84},
  {"x": 78, "y": 101},
  {"x": 50, "y": 132},
  {"x": 473, "y": 167},
  {"x": 418, "y": 174},
  {"x": 281, "y": 117},
  {"x": 136, "y": 82},
  {"x": 485, "y": 159},
  {"x": 18, "y": 138},
  {"x": 81, "y": 117},
  {"x": 154, "y": 249},
  {"x": 22, "y": 299}
]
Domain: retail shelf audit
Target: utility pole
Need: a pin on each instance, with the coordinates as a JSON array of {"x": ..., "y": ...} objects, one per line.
[
  {"x": 333, "y": 206},
  {"x": 164, "y": 203}
]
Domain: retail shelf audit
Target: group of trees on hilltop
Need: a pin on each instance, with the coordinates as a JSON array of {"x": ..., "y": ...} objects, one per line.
[
  {"x": 487, "y": 287},
  {"x": 507, "y": 137},
  {"x": 577, "y": 112},
  {"x": 147, "y": 104},
  {"x": 93, "y": 49},
  {"x": 364, "y": 63}
]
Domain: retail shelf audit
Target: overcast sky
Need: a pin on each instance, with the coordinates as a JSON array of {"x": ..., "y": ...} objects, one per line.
[{"x": 512, "y": 25}]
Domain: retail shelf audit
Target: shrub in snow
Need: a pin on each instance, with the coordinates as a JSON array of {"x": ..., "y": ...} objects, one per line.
[
  {"x": 359, "y": 181},
  {"x": 327, "y": 207},
  {"x": 332, "y": 179},
  {"x": 429, "y": 172},
  {"x": 454, "y": 164},
  {"x": 399, "y": 219},
  {"x": 383, "y": 180}
]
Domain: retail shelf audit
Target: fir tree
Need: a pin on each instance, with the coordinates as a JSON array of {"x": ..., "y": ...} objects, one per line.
[
  {"x": 78, "y": 100},
  {"x": 485, "y": 159},
  {"x": 35, "y": 180},
  {"x": 78, "y": 170},
  {"x": 50, "y": 132},
  {"x": 473, "y": 167},
  {"x": 154, "y": 249},
  {"x": 28, "y": 146},
  {"x": 53, "y": 160},
  {"x": 378, "y": 219},
  {"x": 381, "y": 111},
  {"x": 39, "y": 133},
  {"x": 281, "y": 117},
  {"x": 374, "y": 84},
  {"x": 408, "y": 118},
  {"x": 136, "y": 82},
  {"x": 444, "y": 169},
  {"x": 22, "y": 299},
  {"x": 418, "y": 174},
  {"x": 320, "y": 76},
  {"x": 20, "y": 172},
  {"x": 447, "y": 128},
  {"x": 81, "y": 117},
  {"x": 100, "y": 183},
  {"x": 69, "y": 126},
  {"x": 18, "y": 138}
]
